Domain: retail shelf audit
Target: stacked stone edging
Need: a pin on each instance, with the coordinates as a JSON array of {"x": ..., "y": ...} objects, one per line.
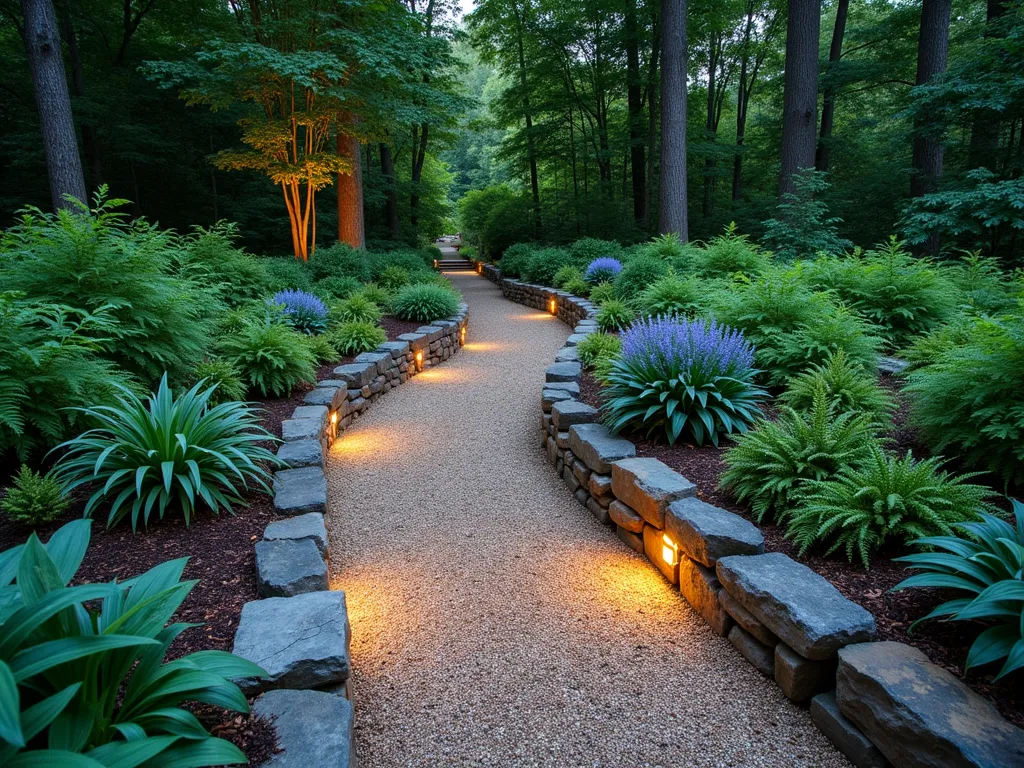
[
  {"x": 299, "y": 630},
  {"x": 879, "y": 703}
]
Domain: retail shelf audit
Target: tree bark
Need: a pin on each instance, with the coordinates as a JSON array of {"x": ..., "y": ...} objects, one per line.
[
  {"x": 42, "y": 45},
  {"x": 800, "y": 91},
  {"x": 932, "y": 50},
  {"x": 531, "y": 149},
  {"x": 90, "y": 139},
  {"x": 985, "y": 127},
  {"x": 672, "y": 197},
  {"x": 634, "y": 98},
  {"x": 419, "y": 156},
  {"x": 828, "y": 106},
  {"x": 387, "y": 169},
  {"x": 351, "y": 228},
  {"x": 652, "y": 124}
]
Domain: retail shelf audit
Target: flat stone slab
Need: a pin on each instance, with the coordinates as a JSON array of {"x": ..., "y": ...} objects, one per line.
[
  {"x": 597, "y": 447},
  {"x": 289, "y": 567},
  {"x": 753, "y": 650},
  {"x": 382, "y": 360},
  {"x": 548, "y": 398},
  {"x": 892, "y": 365},
  {"x": 649, "y": 486},
  {"x": 844, "y": 735},
  {"x": 356, "y": 375},
  {"x": 318, "y": 412},
  {"x": 301, "y": 429},
  {"x": 416, "y": 341},
  {"x": 575, "y": 339},
  {"x": 314, "y": 728},
  {"x": 331, "y": 397},
  {"x": 563, "y": 372},
  {"x": 301, "y": 641},
  {"x": 567, "y": 355},
  {"x": 309, "y": 526},
  {"x": 918, "y": 714},
  {"x": 298, "y": 491},
  {"x": 707, "y": 533},
  {"x": 397, "y": 349},
  {"x": 302, "y": 453},
  {"x": 572, "y": 387},
  {"x": 798, "y": 605},
  {"x": 569, "y": 412}
]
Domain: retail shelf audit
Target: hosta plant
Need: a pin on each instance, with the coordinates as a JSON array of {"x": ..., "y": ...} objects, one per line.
[
  {"x": 33, "y": 499},
  {"x": 598, "y": 346},
  {"x": 353, "y": 338},
  {"x": 83, "y": 681},
  {"x": 769, "y": 465},
  {"x": 272, "y": 358},
  {"x": 614, "y": 315},
  {"x": 986, "y": 563},
  {"x": 425, "y": 303},
  {"x": 602, "y": 270},
  {"x": 680, "y": 378},
  {"x": 847, "y": 385},
  {"x": 887, "y": 499},
  {"x": 302, "y": 311},
  {"x": 167, "y": 453},
  {"x": 357, "y": 308}
]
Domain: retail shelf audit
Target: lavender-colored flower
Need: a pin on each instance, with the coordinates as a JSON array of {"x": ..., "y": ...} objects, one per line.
[
  {"x": 303, "y": 310},
  {"x": 674, "y": 344},
  {"x": 602, "y": 269}
]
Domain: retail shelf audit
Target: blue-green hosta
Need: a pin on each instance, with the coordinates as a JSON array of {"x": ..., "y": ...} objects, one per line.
[
  {"x": 986, "y": 563},
  {"x": 83, "y": 682},
  {"x": 167, "y": 453}
]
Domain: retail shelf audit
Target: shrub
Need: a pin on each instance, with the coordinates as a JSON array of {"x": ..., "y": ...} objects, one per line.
[
  {"x": 357, "y": 308},
  {"x": 469, "y": 253},
  {"x": 515, "y": 259},
  {"x": 637, "y": 274},
  {"x": 270, "y": 357},
  {"x": 580, "y": 287},
  {"x": 287, "y": 272},
  {"x": 544, "y": 264},
  {"x": 830, "y": 329},
  {"x": 599, "y": 294},
  {"x": 729, "y": 253},
  {"x": 680, "y": 377},
  {"x": 393, "y": 277},
  {"x": 802, "y": 225},
  {"x": 340, "y": 260},
  {"x": 208, "y": 256},
  {"x": 322, "y": 348},
  {"x": 847, "y": 386},
  {"x": 769, "y": 465},
  {"x": 85, "y": 665},
  {"x": 34, "y": 499},
  {"x": 614, "y": 316},
  {"x": 982, "y": 283},
  {"x": 599, "y": 346},
  {"x": 302, "y": 311},
  {"x": 337, "y": 287},
  {"x": 509, "y": 221},
  {"x": 886, "y": 499},
  {"x": 167, "y": 452},
  {"x": 602, "y": 270},
  {"x": 355, "y": 337},
  {"x": 970, "y": 400},
  {"x": 668, "y": 246},
  {"x": 566, "y": 274},
  {"x": 425, "y": 303},
  {"x": 671, "y": 295},
  {"x": 379, "y": 296},
  {"x": 985, "y": 564},
  {"x": 222, "y": 378},
  {"x": 587, "y": 249}
]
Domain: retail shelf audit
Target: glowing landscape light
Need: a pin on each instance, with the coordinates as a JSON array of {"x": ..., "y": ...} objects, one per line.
[
  {"x": 419, "y": 360},
  {"x": 669, "y": 550},
  {"x": 553, "y": 307}
]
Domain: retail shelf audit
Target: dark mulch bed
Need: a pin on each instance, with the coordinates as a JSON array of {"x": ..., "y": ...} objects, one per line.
[
  {"x": 395, "y": 327},
  {"x": 945, "y": 643}
]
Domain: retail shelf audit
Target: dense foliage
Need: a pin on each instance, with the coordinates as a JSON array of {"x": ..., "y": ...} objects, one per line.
[
  {"x": 599, "y": 346},
  {"x": 34, "y": 499},
  {"x": 271, "y": 357},
  {"x": 357, "y": 336},
  {"x": 425, "y": 303}
]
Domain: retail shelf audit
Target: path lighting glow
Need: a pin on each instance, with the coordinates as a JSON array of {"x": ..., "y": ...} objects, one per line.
[
  {"x": 479, "y": 267},
  {"x": 553, "y": 307},
  {"x": 435, "y": 263},
  {"x": 669, "y": 550},
  {"x": 419, "y": 361},
  {"x": 462, "y": 336}
]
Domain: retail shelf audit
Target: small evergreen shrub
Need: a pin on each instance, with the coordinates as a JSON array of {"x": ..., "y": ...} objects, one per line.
[
  {"x": 579, "y": 287},
  {"x": 271, "y": 358},
  {"x": 544, "y": 264},
  {"x": 982, "y": 283},
  {"x": 729, "y": 253},
  {"x": 357, "y": 308},
  {"x": 637, "y": 274},
  {"x": 614, "y": 315},
  {"x": 668, "y": 247},
  {"x": 888, "y": 499},
  {"x": 393, "y": 277},
  {"x": 340, "y": 260},
  {"x": 602, "y": 270},
  {"x": 802, "y": 227},
  {"x": 681, "y": 377},
  {"x": 598, "y": 346},
  {"x": 287, "y": 273},
  {"x": 425, "y": 303},
  {"x": 515, "y": 259},
  {"x": 222, "y": 377},
  {"x": 302, "y": 311},
  {"x": 587, "y": 249},
  {"x": 847, "y": 386},
  {"x": 380, "y": 296},
  {"x": 671, "y": 295},
  {"x": 34, "y": 499},
  {"x": 337, "y": 287},
  {"x": 565, "y": 274},
  {"x": 355, "y": 337},
  {"x": 599, "y": 294},
  {"x": 208, "y": 256}
]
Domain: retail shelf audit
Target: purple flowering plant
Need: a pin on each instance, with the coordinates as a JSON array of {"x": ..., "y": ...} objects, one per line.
[
  {"x": 682, "y": 377},
  {"x": 602, "y": 270},
  {"x": 303, "y": 311}
]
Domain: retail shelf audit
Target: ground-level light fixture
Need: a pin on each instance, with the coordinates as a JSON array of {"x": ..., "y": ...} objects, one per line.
[
  {"x": 419, "y": 360},
  {"x": 462, "y": 336},
  {"x": 553, "y": 307},
  {"x": 435, "y": 263},
  {"x": 669, "y": 551},
  {"x": 479, "y": 267}
]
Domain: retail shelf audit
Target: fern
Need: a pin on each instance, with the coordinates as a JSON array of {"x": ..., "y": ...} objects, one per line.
[{"x": 847, "y": 387}]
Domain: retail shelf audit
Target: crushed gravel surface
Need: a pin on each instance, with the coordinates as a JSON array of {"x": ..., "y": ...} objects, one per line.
[{"x": 495, "y": 622}]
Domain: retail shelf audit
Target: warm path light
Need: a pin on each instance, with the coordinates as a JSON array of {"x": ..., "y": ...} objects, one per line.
[
  {"x": 553, "y": 307},
  {"x": 479, "y": 267},
  {"x": 419, "y": 360},
  {"x": 462, "y": 337},
  {"x": 669, "y": 550}
]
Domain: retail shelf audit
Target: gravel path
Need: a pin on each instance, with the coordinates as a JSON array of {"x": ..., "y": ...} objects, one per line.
[{"x": 495, "y": 622}]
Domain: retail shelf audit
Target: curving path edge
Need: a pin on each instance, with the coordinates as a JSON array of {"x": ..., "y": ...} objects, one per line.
[{"x": 494, "y": 621}]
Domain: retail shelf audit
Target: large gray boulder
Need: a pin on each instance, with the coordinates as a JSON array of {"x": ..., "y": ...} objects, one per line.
[
  {"x": 314, "y": 728},
  {"x": 649, "y": 486},
  {"x": 707, "y": 533},
  {"x": 301, "y": 641},
  {"x": 798, "y": 605},
  {"x": 299, "y": 491},
  {"x": 597, "y": 447},
  {"x": 310, "y": 526},
  {"x": 918, "y": 714},
  {"x": 288, "y": 567}
]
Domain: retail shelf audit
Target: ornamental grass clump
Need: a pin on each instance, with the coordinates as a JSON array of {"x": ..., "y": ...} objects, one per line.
[
  {"x": 597, "y": 347},
  {"x": 425, "y": 302},
  {"x": 302, "y": 311},
  {"x": 602, "y": 270},
  {"x": 682, "y": 377},
  {"x": 357, "y": 308},
  {"x": 353, "y": 338},
  {"x": 614, "y": 315}
]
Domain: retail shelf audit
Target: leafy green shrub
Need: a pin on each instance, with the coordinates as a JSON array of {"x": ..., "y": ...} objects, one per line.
[
  {"x": 339, "y": 260},
  {"x": 982, "y": 283},
  {"x": 614, "y": 315},
  {"x": 85, "y": 679},
  {"x": 167, "y": 452},
  {"x": 599, "y": 294},
  {"x": 801, "y": 226},
  {"x": 671, "y": 295},
  {"x": 509, "y": 222},
  {"x": 886, "y": 499},
  {"x": 545, "y": 264},
  {"x": 598, "y": 346},
  {"x": 515, "y": 259},
  {"x": 208, "y": 256},
  {"x": 380, "y": 296},
  {"x": 322, "y": 348},
  {"x": 357, "y": 308},
  {"x": 271, "y": 358},
  {"x": 433, "y": 252},
  {"x": 729, "y": 253},
  {"x": 668, "y": 246},
  {"x": 425, "y": 303},
  {"x": 287, "y": 272},
  {"x": 355, "y": 337},
  {"x": 769, "y": 465},
  {"x": 566, "y": 274},
  {"x": 337, "y": 287},
  {"x": 34, "y": 499},
  {"x": 393, "y": 277},
  {"x": 680, "y": 377},
  {"x": 587, "y": 249},
  {"x": 970, "y": 400},
  {"x": 637, "y": 274},
  {"x": 847, "y": 386},
  {"x": 469, "y": 253},
  {"x": 214, "y": 372},
  {"x": 985, "y": 563},
  {"x": 404, "y": 258},
  {"x": 579, "y": 287},
  {"x": 931, "y": 346},
  {"x": 830, "y": 329}
]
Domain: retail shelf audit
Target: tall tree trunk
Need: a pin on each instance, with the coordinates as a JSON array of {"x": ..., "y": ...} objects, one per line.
[
  {"x": 652, "y": 122},
  {"x": 387, "y": 170},
  {"x": 800, "y": 91},
  {"x": 634, "y": 97},
  {"x": 419, "y": 156},
  {"x": 42, "y": 45},
  {"x": 828, "y": 106},
  {"x": 742, "y": 100},
  {"x": 985, "y": 127},
  {"x": 531, "y": 148},
  {"x": 710, "y": 124},
  {"x": 351, "y": 228},
  {"x": 932, "y": 49},
  {"x": 672, "y": 199},
  {"x": 90, "y": 139}
]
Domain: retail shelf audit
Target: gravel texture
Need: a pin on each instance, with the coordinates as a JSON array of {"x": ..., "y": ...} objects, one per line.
[{"x": 495, "y": 622}]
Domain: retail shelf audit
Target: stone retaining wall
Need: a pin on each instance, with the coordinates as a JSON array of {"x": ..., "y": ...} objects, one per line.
[
  {"x": 299, "y": 630},
  {"x": 876, "y": 701}
]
